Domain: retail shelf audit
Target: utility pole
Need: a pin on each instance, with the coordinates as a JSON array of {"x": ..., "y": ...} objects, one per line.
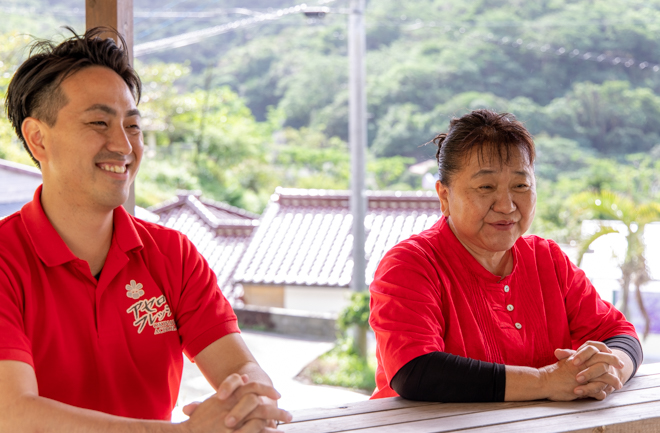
[
  {"x": 117, "y": 14},
  {"x": 357, "y": 139}
]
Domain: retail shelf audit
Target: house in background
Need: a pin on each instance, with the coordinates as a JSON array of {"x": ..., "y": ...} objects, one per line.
[
  {"x": 220, "y": 232},
  {"x": 299, "y": 256},
  {"x": 17, "y": 185}
]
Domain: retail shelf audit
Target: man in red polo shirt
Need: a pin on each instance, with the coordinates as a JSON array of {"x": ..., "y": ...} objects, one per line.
[{"x": 96, "y": 306}]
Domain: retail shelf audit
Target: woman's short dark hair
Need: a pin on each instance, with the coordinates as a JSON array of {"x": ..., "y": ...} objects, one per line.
[
  {"x": 481, "y": 130},
  {"x": 34, "y": 90}
]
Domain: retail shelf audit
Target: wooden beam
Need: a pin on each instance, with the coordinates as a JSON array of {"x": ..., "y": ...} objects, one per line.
[{"x": 117, "y": 14}]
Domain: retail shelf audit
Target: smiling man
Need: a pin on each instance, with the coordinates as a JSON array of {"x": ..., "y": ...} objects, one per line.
[{"x": 96, "y": 307}]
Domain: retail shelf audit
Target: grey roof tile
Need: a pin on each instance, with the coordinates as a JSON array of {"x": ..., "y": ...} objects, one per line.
[{"x": 305, "y": 236}]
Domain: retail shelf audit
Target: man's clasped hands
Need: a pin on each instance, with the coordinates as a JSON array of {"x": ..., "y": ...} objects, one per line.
[{"x": 238, "y": 406}]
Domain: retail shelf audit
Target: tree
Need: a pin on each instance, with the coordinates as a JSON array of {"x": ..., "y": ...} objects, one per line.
[{"x": 609, "y": 205}]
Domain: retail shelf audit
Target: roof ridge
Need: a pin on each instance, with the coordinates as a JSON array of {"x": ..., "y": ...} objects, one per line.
[
  {"x": 301, "y": 193},
  {"x": 20, "y": 168},
  {"x": 227, "y": 207}
]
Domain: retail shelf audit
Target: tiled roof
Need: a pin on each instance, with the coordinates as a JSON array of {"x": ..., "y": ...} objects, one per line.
[
  {"x": 219, "y": 231},
  {"x": 304, "y": 237}
]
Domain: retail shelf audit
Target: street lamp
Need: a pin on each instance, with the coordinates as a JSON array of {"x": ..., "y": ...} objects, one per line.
[
  {"x": 357, "y": 141},
  {"x": 357, "y": 127}
]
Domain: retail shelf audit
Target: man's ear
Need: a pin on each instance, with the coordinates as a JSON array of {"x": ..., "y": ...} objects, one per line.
[
  {"x": 34, "y": 132},
  {"x": 443, "y": 195}
]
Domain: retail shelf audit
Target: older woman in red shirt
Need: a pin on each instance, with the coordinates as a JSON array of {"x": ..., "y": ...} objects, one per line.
[{"x": 472, "y": 310}]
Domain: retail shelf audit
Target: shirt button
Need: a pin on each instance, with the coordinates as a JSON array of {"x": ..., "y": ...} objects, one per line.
[
  {"x": 518, "y": 326},
  {"x": 509, "y": 307},
  {"x": 506, "y": 289}
]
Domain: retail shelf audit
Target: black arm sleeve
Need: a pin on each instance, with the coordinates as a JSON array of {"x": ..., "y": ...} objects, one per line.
[
  {"x": 439, "y": 376},
  {"x": 631, "y": 346}
]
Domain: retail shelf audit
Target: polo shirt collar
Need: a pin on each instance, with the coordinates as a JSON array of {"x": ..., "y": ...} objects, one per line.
[
  {"x": 50, "y": 247},
  {"x": 468, "y": 261},
  {"x": 125, "y": 234}
]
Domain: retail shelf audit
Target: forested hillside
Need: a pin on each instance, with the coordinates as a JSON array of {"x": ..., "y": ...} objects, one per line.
[{"x": 244, "y": 111}]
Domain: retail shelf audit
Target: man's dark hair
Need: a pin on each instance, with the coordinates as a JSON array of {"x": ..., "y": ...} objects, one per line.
[
  {"x": 488, "y": 133},
  {"x": 35, "y": 90}
]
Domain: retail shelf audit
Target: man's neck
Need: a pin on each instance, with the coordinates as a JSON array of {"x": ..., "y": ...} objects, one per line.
[{"x": 85, "y": 230}]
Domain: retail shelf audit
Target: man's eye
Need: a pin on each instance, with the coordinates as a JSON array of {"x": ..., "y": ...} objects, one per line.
[
  {"x": 485, "y": 187},
  {"x": 99, "y": 123}
]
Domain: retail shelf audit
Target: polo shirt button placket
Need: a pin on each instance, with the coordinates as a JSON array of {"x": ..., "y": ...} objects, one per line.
[
  {"x": 506, "y": 289},
  {"x": 518, "y": 325}
]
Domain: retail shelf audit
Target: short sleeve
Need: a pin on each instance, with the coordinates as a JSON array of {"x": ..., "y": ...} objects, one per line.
[
  {"x": 406, "y": 311},
  {"x": 589, "y": 316},
  {"x": 203, "y": 313},
  {"x": 14, "y": 343}
]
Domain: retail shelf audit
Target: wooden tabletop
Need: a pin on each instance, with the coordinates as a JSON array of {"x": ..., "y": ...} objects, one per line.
[{"x": 635, "y": 408}]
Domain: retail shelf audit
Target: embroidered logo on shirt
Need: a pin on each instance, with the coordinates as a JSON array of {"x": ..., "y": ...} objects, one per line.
[
  {"x": 151, "y": 312},
  {"x": 134, "y": 290}
]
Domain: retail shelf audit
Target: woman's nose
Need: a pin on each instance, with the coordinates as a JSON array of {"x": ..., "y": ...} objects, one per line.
[{"x": 504, "y": 203}]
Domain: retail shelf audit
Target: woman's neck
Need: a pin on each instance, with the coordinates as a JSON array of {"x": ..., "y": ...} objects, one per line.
[{"x": 498, "y": 263}]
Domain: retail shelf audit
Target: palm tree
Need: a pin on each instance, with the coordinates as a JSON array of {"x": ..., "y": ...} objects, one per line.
[{"x": 608, "y": 205}]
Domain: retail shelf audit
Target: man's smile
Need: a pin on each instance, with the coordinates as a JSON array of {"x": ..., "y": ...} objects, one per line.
[{"x": 114, "y": 168}]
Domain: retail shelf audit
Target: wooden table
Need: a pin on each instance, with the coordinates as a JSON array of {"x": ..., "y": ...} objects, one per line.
[{"x": 635, "y": 408}]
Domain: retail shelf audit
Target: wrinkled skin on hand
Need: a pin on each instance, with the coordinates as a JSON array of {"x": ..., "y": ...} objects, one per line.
[{"x": 591, "y": 371}]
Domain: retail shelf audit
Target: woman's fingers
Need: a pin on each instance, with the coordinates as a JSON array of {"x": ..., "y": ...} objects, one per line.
[
  {"x": 588, "y": 350},
  {"x": 563, "y": 353},
  {"x": 605, "y": 358},
  {"x": 601, "y": 373},
  {"x": 592, "y": 389}
]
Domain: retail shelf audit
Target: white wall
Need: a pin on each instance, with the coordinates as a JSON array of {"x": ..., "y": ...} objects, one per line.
[{"x": 319, "y": 299}]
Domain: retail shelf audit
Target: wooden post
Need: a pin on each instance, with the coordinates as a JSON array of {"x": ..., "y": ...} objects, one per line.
[{"x": 117, "y": 14}]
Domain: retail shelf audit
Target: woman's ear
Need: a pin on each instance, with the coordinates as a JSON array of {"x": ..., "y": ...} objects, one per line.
[
  {"x": 443, "y": 195},
  {"x": 33, "y": 132}
]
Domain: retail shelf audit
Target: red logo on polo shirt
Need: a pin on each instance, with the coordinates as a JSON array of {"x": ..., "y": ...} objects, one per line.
[{"x": 149, "y": 311}]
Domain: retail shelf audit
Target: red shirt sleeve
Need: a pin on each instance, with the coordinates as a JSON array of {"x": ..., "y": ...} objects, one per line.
[
  {"x": 14, "y": 343},
  {"x": 589, "y": 317},
  {"x": 203, "y": 313},
  {"x": 406, "y": 307}
]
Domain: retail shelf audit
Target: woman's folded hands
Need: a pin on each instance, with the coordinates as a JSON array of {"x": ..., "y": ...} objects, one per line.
[{"x": 593, "y": 370}]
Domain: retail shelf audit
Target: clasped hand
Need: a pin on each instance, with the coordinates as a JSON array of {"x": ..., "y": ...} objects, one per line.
[
  {"x": 592, "y": 370},
  {"x": 238, "y": 406}
]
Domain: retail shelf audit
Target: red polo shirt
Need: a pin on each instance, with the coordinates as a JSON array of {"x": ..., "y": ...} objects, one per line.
[
  {"x": 429, "y": 294},
  {"x": 112, "y": 345}
]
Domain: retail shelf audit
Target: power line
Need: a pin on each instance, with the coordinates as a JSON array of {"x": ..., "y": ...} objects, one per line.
[
  {"x": 544, "y": 47},
  {"x": 137, "y": 13},
  {"x": 193, "y": 37}
]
